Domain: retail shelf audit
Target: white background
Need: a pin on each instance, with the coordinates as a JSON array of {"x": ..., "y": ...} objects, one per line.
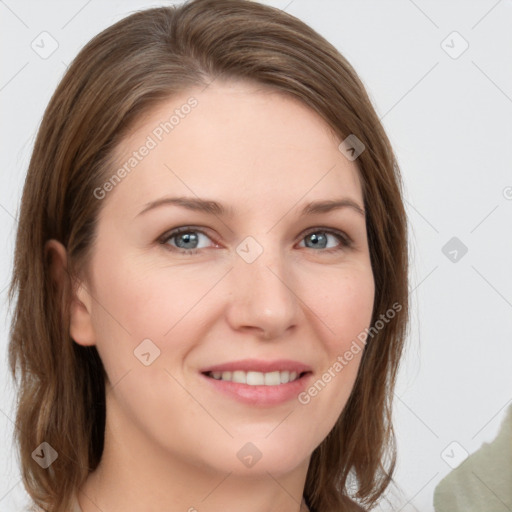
[{"x": 450, "y": 123}]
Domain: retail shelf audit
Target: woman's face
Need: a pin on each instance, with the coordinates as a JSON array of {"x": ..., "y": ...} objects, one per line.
[{"x": 257, "y": 286}]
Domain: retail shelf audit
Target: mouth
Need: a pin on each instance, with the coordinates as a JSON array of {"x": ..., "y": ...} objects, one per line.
[
  {"x": 254, "y": 378},
  {"x": 257, "y": 382}
]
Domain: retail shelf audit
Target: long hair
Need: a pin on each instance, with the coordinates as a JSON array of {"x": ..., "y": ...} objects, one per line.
[{"x": 121, "y": 74}]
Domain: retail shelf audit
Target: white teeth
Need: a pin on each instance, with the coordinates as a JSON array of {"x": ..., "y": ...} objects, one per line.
[
  {"x": 239, "y": 376},
  {"x": 256, "y": 378},
  {"x": 272, "y": 379}
]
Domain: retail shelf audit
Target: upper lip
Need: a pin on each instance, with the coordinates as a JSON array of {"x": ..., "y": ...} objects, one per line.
[{"x": 259, "y": 365}]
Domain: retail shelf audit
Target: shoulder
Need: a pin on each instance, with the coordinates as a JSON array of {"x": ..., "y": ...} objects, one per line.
[{"x": 481, "y": 479}]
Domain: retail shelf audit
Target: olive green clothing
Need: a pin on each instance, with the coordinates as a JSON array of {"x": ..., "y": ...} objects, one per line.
[{"x": 483, "y": 482}]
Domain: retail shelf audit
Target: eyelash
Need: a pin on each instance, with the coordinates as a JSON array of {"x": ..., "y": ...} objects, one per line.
[{"x": 346, "y": 242}]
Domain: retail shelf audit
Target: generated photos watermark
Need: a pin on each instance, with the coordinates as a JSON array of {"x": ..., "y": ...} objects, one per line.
[{"x": 152, "y": 140}]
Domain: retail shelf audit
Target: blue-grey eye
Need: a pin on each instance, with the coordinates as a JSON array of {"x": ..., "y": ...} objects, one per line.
[
  {"x": 186, "y": 239},
  {"x": 319, "y": 240}
]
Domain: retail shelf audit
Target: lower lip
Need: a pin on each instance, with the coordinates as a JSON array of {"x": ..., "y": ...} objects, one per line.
[{"x": 260, "y": 395}]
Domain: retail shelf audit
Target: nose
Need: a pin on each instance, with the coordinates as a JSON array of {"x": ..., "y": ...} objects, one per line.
[{"x": 263, "y": 300}]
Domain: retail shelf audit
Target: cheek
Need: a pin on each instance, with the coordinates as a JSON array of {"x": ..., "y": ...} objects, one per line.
[
  {"x": 346, "y": 307},
  {"x": 136, "y": 302},
  {"x": 346, "y": 314},
  {"x": 140, "y": 302}
]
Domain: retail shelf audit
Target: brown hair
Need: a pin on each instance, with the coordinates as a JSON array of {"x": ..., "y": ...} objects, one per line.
[{"x": 121, "y": 74}]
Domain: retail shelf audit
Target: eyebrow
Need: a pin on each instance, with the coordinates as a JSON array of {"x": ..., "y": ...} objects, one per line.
[{"x": 214, "y": 208}]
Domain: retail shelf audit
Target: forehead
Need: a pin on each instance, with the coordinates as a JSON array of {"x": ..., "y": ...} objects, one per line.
[{"x": 239, "y": 141}]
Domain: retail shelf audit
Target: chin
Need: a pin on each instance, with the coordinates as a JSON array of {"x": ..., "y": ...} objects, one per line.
[{"x": 258, "y": 456}]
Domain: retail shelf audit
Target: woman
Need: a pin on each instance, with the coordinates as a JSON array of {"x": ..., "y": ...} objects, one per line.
[{"x": 211, "y": 273}]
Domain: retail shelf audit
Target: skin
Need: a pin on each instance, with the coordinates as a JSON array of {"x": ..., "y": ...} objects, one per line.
[{"x": 171, "y": 439}]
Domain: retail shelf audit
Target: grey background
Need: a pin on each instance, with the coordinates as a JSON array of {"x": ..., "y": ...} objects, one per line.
[{"x": 449, "y": 119}]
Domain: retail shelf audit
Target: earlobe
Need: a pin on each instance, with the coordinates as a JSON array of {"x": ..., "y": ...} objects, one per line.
[
  {"x": 80, "y": 322},
  {"x": 79, "y": 300}
]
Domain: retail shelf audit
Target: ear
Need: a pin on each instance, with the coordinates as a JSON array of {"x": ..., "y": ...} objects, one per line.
[{"x": 80, "y": 321}]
